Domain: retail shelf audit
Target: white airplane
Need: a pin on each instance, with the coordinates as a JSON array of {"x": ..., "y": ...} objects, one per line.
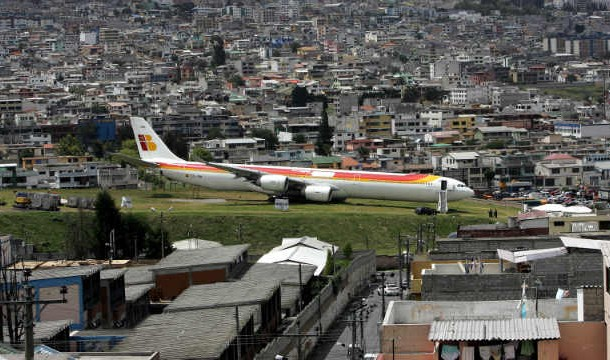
[{"x": 318, "y": 185}]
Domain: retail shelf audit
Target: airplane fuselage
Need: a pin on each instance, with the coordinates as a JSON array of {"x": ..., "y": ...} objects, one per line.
[{"x": 350, "y": 184}]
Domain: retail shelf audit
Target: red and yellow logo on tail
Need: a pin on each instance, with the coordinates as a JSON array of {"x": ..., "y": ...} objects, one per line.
[{"x": 146, "y": 143}]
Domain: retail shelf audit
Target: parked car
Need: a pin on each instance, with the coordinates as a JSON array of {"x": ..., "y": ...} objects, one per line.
[
  {"x": 425, "y": 211},
  {"x": 389, "y": 291}
]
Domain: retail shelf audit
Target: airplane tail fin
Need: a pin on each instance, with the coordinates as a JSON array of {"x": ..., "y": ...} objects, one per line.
[{"x": 150, "y": 145}]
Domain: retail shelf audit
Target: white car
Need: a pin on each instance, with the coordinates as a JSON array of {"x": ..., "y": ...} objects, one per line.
[{"x": 390, "y": 291}]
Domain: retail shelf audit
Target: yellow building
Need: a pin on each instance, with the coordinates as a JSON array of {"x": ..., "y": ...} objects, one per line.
[
  {"x": 376, "y": 125},
  {"x": 462, "y": 123}
]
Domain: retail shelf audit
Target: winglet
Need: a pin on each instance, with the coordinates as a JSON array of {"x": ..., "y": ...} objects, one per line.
[{"x": 150, "y": 145}]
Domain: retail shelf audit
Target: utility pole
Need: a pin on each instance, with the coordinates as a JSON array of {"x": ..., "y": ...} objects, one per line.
[
  {"x": 162, "y": 229},
  {"x": 354, "y": 336},
  {"x": 362, "y": 332},
  {"x": 382, "y": 295},
  {"x": 237, "y": 342},
  {"x": 399, "y": 241},
  {"x": 300, "y": 289},
  {"x": 29, "y": 301}
]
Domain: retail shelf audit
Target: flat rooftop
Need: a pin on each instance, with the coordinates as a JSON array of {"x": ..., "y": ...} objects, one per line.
[{"x": 426, "y": 312}]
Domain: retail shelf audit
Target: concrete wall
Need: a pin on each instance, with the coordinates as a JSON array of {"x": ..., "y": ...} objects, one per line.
[
  {"x": 169, "y": 286},
  {"x": 579, "y": 268},
  {"x": 460, "y": 249},
  {"x": 405, "y": 340},
  {"x": 323, "y": 310},
  {"x": 582, "y": 340},
  {"x": 425, "y": 312}
]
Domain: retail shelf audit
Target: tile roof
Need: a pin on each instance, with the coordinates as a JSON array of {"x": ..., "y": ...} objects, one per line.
[
  {"x": 181, "y": 335},
  {"x": 187, "y": 258},
  {"x": 507, "y": 329},
  {"x": 223, "y": 294}
]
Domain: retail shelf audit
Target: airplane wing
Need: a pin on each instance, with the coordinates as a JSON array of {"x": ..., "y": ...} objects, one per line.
[
  {"x": 254, "y": 175},
  {"x": 132, "y": 160}
]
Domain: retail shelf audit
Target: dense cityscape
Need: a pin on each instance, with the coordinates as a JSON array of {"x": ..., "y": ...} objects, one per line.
[{"x": 505, "y": 100}]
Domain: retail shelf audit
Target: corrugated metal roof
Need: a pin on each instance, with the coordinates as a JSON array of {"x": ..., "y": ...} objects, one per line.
[
  {"x": 582, "y": 243},
  {"x": 112, "y": 274},
  {"x": 64, "y": 272},
  {"x": 508, "y": 329},
  {"x": 45, "y": 330},
  {"x": 285, "y": 273},
  {"x": 187, "y": 258},
  {"x": 136, "y": 275},
  {"x": 134, "y": 292},
  {"x": 296, "y": 255},
  {"x": 530, "y": 255},
  {"x": 223, "y": 294},
  {"x": 200, "y": 334}
]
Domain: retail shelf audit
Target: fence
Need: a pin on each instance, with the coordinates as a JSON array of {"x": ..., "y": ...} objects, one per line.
[{"x": 301, "y": 336}]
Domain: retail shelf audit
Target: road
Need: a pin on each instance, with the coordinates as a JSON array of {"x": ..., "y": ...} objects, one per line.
[{"x": 333, "y": 346}]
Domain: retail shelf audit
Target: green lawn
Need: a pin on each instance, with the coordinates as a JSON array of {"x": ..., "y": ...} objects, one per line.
[
  {"x": 250, "y": 218},
  {"x": 579, "y": 92}
]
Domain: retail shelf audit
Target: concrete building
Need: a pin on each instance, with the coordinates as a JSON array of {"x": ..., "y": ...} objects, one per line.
[
  {"x": 262, "y": 293},
  {"x": 418, "y": 330},
  {"x": 112, "y": 294},
  {"x": 180, "y": 335},
  {"x": 184, "y": 268},
  {"x": 296, "y": 283},
  {"x": 559, "y": 170},
  {"x": 83, "y": 308}
]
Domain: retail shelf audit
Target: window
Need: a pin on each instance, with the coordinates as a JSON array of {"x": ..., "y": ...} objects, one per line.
[
  {"x": 558, "y": 223},
  {"x": 554, "y": 171},
  {"x": 575, "y": 170}
]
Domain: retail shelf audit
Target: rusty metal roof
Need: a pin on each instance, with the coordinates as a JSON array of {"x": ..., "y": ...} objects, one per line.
[{"x": 508, "y": 329}]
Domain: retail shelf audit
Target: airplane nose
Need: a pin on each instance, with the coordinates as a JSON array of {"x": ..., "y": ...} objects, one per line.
[{"x": 470, "y": 192}]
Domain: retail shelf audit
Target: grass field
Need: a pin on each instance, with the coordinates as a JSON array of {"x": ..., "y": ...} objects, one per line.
[
  {"x": 232, "y": 217},
  {"x": 579, "y": 92}
]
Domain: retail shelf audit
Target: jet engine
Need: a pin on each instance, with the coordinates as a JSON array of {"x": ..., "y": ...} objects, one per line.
[
  {"x": 319, "y": 193},
  {"x": 275, "y": 183}
]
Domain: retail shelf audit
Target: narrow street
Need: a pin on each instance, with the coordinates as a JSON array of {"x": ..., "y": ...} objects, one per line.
[{"x": 334, "y": 344}]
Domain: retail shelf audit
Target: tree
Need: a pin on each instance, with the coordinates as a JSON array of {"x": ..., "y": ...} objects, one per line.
[
  {"x": 410, "y": 94},
  {"x": 107, "y": 221},
  {"x": 176, "y": 143},
  {"x": 299, "y": 139},
  {"x": 579, "y": 28},
  {"x": 218, "y": 51},
  {"x": 571, "y": 78},
  {"x": 215, "y": 133},
  {"x": 347, "y": 250},
  {"x": 299, "y": 96},
  {"x": 201, "y": 154},
  {"x": 80, "y": 238},
  {"x": 131, "y": 239},
  {"x": 324, "y": 143},
  {"x": 329, "y": 268},
  {"x": 236, "y": 80},
  {"x": 271, "y": 141},
  {"x": 294, "y": 47},
  {"x": 364, "y": 152},
  {"x": 69, "y": 145},
  {"x": 489, "y": 174},
  {"x": 129, "y": 148}
]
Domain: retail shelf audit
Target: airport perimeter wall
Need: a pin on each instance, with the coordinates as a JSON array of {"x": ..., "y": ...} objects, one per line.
[{"x": 303, "y": 333}]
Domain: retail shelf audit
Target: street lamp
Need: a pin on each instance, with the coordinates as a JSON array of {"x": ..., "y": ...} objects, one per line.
[{"x": 161, "y": 212}]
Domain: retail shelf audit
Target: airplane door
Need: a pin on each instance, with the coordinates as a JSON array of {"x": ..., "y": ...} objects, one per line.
[{"x": 443, "y": 184}]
